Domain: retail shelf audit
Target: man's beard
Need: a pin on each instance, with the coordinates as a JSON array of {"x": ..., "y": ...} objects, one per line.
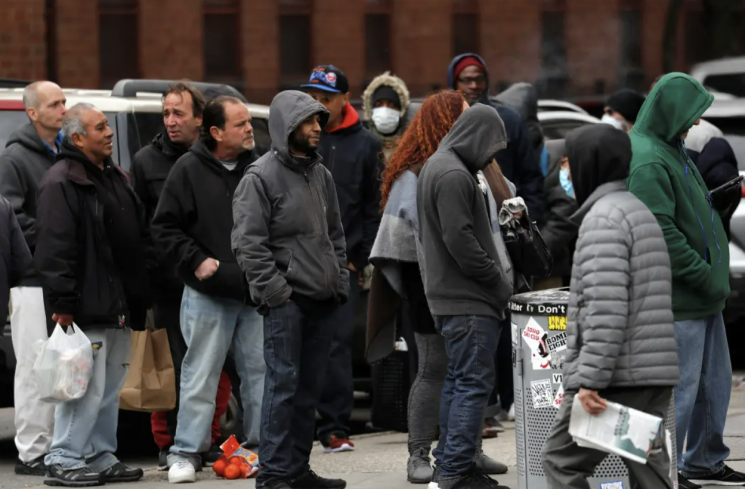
[{"x": 302, "y": 145}]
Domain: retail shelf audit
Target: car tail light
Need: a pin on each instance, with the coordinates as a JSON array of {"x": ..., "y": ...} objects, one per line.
[{"x": 742, "y": 189}]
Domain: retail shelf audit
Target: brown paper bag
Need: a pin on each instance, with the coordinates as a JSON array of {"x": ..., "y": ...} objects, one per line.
[{"x": 151, "y": 381}]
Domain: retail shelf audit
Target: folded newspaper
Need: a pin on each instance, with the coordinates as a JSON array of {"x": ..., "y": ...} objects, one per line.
[{"x": 619, "y": 429}]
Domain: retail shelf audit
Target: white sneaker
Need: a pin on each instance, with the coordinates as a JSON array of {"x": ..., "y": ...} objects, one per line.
[
  {"x": 181, "y": 472},
  {"x": 511, "y": 414},
  {"x": 433, "y": 485}
]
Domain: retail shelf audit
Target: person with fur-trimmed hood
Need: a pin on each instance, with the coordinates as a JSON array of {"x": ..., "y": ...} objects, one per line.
[{"x": 388, "y": 110}]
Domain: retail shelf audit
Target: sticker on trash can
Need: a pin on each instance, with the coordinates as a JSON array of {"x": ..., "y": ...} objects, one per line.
[
  {"x": 557, "y": 350},
  {"x": 559, "y": 396},
  {"x": 557, "y": 323},
  {"x": 543, "y": 394},
  {"x": 612, "y": 485},
  {"x": 557, "y": 378},
  {"x": 515, "y": 334},
  {"x": 535, "y": 337}
]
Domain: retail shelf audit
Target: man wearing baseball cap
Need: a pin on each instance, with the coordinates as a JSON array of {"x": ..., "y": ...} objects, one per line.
[{"x": 353, "y": 155}]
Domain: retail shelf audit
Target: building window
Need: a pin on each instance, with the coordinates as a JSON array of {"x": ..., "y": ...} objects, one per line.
[
  {"x": 118, "y": 41},
  {"x": 295, "y": 42},
  {"x": 631, "y": 73},
  {"x": 465, "y": 33},
  {"x": 377, "y": 44},
  {"x": 222, "y": 60},
  {"x": 554, "y": 74}
]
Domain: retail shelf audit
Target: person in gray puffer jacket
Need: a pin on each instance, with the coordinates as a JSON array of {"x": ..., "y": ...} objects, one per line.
[{"x": 620, "y": 339}]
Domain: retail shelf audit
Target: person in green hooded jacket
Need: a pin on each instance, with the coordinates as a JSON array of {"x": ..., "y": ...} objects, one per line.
[{"x": 668, "y": 182}]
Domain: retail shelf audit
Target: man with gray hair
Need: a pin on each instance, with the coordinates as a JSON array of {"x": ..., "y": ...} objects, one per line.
[
  {"x": 29, "y": 153},
  {"x": 91, "y": 255}
]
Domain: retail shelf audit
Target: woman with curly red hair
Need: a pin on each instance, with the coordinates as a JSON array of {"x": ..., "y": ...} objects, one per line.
[{"x": 397, "y": 278}]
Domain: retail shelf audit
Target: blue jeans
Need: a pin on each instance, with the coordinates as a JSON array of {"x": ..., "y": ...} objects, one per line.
[
  {"x": 85, "y": 429},
  {"x": 702, "y": 395},
  {"x": 296, "y": 350},
  {"x": 210, "y": 325},
  {"x": 337, "y": 396},
  {"x": 471, "y": 342}
]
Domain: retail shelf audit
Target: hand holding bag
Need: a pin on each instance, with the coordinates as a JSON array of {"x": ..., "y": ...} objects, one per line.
[
  {"x": 528, "y": 251},
  {"x": 151, "y": 381},
  {"x": 64, "y": 365}
]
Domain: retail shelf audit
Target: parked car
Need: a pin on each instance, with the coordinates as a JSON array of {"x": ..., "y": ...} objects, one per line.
[
  {"x": 134, "y": 110},
  {"x": 557, "y": 124},
  {"x": 559, "y": 106},
  {"x": 725, "y": 76}
]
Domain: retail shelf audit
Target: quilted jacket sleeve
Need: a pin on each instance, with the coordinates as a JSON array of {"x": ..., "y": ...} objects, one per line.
[{"x": 602, "y": 267}]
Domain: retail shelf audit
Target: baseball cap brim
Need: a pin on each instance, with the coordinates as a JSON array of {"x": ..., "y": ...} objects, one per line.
[{"x": 320, "y": 87}]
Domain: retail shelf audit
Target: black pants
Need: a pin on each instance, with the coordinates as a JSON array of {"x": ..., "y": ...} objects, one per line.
[
  {"x": 296, "y": 351},
  {"x": 166, "y": 314},
  {"x": 567, "y": 465},
  {"x": 337, "y": 398}
]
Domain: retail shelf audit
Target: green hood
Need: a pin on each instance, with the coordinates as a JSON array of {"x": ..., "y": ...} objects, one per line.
[{"x": 675, "y": 103}]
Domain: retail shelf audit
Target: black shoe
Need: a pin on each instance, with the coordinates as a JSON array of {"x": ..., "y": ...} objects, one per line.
[
  {"x": 684, "y": 483},
  {"x": 478, "y": 481},
  {"x": 82, "y": 477},
  {"x": 275, "y": 484},
  {"x": 311, "y": 480},
  {"x": 210, "y": 456},
  {"x": 34, "y": 467},
  {"x": 163, "y": 460},
  {"x": 121, "y": 473},
  {"x": 726, "y": 477}
]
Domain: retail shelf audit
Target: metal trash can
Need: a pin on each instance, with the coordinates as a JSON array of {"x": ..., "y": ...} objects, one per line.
[{"x": 539, "y": 321}]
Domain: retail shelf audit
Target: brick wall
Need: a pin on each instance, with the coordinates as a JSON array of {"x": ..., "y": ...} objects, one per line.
[
  {"x": 422, "y": 45},
  {"x": 171, "y": 39},
  {"x": 22, "y": 44},
  {"x": 260, "y": 42},
  {"x": 592, "y": 42},
  {"x": 77, "y": 43},
  {"x": 338, "y": 38},
  {"x": 511, "y": 39}
]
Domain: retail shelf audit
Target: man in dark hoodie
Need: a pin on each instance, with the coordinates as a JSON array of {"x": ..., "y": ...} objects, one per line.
[
  {"x": 192, "y": 227},
  {"x": 620, "y": 336},
  {"x": 30, "y": 152},
  {"x": 182, "y": 117},
  {"x": 518, "y": 161},
  {"x": 353, "y": 155},
  {"x": 289, "y": 240},
  {"x": 93, "y": 255},
  {"x": 466, "y": 285}
]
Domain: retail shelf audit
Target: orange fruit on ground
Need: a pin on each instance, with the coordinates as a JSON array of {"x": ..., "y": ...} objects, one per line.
[
  {"x": 219, "y": 467},
  {"x": 236, "y": 460},
  {"x": 244, "y": 471},
  {"x": 232, "y": 471}
]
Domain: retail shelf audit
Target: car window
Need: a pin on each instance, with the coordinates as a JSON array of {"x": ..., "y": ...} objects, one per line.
[
  {"x": 732, "y": 83},
  {"x": 10, "y": 121},
  {"x": 558, "y": 129}
]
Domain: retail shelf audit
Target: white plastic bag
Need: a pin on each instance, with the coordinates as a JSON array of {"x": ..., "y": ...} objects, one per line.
[{"x": 64, "y": 365}]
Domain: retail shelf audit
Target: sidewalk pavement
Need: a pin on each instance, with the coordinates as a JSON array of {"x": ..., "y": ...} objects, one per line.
[{"x": 380, "y": 459}]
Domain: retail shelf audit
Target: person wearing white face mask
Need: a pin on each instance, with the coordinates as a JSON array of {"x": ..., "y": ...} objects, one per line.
[
  {"x": 388, "y": 110},
  {"x": 622, "y": 108}
]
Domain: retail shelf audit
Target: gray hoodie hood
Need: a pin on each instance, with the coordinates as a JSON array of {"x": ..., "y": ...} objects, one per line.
[
  {"x": 476, "y": 137},
  {"x": 523, "y": 98},
  {"x": 288, "y": 110}
]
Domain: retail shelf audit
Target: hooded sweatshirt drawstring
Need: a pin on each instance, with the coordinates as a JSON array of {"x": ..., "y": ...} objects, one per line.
[{"x": 687, "y": 162}]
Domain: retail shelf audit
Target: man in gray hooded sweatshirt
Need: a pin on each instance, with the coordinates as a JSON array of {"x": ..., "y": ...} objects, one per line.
[
  {"x": 466, "y": 284},
  {"x": 289, "y": 241}
]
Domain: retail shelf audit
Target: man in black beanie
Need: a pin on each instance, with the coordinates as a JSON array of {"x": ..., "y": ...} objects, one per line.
[{"x": 622, "y": 108}]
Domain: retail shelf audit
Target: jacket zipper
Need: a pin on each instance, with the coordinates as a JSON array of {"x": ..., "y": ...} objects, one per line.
[
  {"x": 122, "y": 317},
  {"x": 318, "y": 223}
]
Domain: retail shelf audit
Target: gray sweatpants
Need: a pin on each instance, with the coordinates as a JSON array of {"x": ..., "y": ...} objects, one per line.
[{"x": 567, "y": 465}]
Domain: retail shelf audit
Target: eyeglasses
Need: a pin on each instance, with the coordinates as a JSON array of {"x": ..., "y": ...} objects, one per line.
[{"x": 478, "y": 80}]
